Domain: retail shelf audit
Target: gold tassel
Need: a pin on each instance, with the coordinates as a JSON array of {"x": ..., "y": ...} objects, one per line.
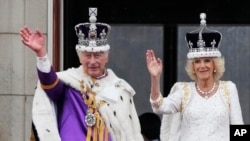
[
  {"x": 95, "y": 134},
  {"x": 101, "y": 133},
  {"x": 88, "y": 138}
]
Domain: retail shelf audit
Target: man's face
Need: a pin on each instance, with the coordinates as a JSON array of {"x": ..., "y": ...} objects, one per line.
[{"x": 93, "y": 62}]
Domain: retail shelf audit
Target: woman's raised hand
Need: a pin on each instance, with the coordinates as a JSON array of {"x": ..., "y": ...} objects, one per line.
[{"x": 154, "y": 64}]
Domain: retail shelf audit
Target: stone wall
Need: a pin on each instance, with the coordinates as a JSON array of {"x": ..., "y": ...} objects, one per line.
[{"x": 17, "y": 66}]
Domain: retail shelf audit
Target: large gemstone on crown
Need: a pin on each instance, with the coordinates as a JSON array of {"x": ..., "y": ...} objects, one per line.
[{"x": 92, "y": 35}]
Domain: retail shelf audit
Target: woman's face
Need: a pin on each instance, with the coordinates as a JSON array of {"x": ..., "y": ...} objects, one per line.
[
  {"x": 203, "y": 68},
  {"x": 93, "y": 62}
]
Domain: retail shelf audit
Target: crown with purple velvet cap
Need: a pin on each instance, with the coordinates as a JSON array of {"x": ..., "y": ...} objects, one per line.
[
  {"x": 92, "y": 36},
  {"x": 203, "y": 42}
]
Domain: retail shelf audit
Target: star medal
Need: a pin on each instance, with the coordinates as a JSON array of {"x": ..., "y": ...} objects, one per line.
[{"x": 90, "y": 119}]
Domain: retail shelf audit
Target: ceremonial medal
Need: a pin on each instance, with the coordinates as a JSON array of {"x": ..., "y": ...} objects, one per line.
[{"x": 90, "y": 119}]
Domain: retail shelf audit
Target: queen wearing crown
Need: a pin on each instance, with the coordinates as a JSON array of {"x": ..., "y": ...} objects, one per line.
[{"x": 202, "y": 109}]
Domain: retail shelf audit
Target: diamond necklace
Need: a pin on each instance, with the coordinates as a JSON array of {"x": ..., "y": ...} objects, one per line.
[{"x": 207, "y": 92}]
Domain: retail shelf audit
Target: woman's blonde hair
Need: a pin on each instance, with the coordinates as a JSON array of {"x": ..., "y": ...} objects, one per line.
[{"x": 219, "y": 64}]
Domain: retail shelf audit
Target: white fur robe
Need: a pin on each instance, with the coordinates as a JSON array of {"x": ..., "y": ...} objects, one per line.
[{"x": 118, "y": 94}]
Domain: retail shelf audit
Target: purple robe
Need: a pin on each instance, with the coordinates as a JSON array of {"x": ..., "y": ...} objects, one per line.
[{"x": 71, "y": 109}]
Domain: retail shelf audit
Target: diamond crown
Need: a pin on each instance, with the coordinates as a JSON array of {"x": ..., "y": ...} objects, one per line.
[
  {"x": 203, "y": 42},
  {"x": 92, "y": 34}
]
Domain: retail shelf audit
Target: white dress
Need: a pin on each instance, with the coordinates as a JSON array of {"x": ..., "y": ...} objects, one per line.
[{"x": 202, "y": 119}]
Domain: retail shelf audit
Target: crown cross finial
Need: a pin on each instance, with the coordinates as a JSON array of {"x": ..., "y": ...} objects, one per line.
[
  {"x": 93, "y": 12},
  {"x": 213, "y": 43},
  {"x": 92, "y": 15}
]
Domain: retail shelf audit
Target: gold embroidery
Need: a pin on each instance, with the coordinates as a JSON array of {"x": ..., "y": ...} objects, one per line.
[
  {"x": 185, "y": 97},
  {"x": 158, "y": 103},
  {"x": 225, "y": 94}
]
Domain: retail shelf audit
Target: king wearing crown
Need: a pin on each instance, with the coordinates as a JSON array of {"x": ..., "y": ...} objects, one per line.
[{"x": 88, "y": 103}]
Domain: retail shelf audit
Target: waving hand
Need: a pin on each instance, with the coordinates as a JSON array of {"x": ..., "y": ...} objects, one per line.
[
  {"x": 154, "y": 64},
  {"x": 33, "y": 40}
]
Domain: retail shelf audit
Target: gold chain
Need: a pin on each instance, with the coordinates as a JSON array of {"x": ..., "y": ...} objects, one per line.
[{"x": 93, "y": 117}]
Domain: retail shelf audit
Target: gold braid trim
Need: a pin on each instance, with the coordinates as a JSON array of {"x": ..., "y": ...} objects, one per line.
[
  {"x": 225, "y": 94},
  {"x": 185, "y": 97},
  {"x": 47, "y": 87}
]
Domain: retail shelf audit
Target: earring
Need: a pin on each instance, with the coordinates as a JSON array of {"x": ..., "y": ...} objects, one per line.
[{"x": 214, "y": 70}]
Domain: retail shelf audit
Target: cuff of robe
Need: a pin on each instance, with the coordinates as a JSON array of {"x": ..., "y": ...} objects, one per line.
[
  {"x": 156, "y": 103},
  {"x": 43, "y": 64}
]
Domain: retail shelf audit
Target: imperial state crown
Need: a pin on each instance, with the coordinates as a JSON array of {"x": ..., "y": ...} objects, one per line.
[{"x": 92, "y": 36}]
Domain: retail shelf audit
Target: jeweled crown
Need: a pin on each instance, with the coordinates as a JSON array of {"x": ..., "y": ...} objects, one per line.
[
  {"x": 203, "y": 42},
  {"x": 92, "y": 36}
]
